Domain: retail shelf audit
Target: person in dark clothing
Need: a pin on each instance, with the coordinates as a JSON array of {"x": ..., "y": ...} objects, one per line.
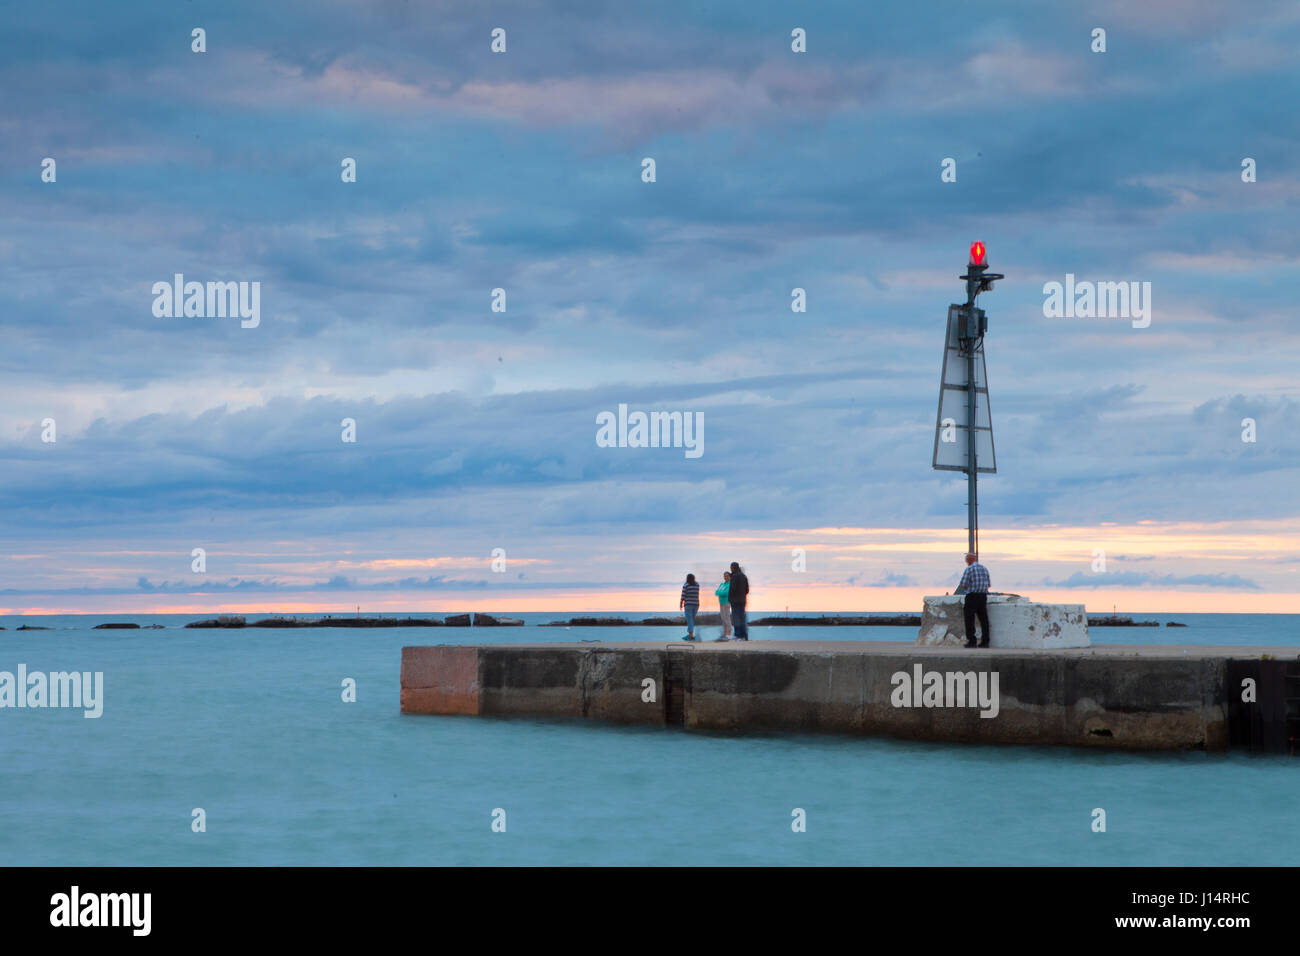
[
  {"x": 737, "y": 596},
  {"x": 975, "y": 585}
]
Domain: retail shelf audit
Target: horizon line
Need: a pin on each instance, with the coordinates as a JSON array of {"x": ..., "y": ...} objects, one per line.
[{"x": 578, "y": 612}]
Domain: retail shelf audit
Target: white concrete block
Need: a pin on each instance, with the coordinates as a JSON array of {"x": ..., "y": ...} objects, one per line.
[{"x": 1014, "y": 620}]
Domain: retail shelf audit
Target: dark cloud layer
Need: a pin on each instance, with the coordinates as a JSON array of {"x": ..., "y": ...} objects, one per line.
[{"x": 522, "y": 171}]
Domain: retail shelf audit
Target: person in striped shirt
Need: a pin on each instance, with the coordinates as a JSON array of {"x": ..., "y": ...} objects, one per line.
[
  {"x": 690, "y": 603},
  {"x": 975, "y": 585}
]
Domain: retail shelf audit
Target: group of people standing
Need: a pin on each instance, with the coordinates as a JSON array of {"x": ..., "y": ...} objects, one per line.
[{"x": 732, "y": 594}]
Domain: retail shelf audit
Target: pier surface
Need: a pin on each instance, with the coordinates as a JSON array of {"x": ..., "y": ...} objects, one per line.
[{"x": 1144, "y": 697}]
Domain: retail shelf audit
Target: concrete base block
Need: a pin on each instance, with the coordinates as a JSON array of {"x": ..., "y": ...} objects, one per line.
[{"x": 1015, "y": 621}]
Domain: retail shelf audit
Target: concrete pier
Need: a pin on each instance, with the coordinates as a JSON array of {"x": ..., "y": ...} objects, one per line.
[{"x": 1139, "y": 697}]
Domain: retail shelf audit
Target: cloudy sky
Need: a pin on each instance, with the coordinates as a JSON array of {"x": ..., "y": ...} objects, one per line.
[{"x": 774, "y": 170}]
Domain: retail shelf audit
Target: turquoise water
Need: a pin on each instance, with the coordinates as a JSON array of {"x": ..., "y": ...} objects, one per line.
[{"x": 250, "y": 726}]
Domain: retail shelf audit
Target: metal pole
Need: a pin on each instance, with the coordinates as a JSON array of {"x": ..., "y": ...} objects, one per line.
[
  {"x": 971, "y": 500},
  {"x": 977, "y": 280}
]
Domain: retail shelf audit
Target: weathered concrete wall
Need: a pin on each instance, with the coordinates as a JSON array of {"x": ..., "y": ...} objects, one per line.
[
  {"x": 1110, "y": 696},
  {"x": 440, "y": 680},
  {"x": 1014, "y": 621},
  {"x": 1081, "y": 701}
]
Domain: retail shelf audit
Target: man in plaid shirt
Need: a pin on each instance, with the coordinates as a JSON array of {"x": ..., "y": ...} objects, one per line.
[{"x": 975, "y": 585}]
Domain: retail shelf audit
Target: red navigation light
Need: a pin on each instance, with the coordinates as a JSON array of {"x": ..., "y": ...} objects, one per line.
[{"x": 977, "y": 253}]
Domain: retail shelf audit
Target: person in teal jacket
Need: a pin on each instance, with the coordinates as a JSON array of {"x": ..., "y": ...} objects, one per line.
[{"x": 723, "y": 592}]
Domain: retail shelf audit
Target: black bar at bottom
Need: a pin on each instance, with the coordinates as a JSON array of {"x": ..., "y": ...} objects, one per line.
[{"x": 485, "y": 907}]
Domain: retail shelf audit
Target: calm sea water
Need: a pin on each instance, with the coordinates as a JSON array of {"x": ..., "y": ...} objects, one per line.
[{"x": 250, "y": 726}]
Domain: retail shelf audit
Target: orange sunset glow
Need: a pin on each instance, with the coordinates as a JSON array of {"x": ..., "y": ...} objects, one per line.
[{"x": 847, "y": 569}]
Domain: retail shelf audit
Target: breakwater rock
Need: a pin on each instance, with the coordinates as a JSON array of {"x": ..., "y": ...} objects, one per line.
[
  {"x": 487, "y": 620},
  {"x": 679, "y": 620},
  {"x": 371, "y": 622},
  {"x": 838, "y": 620},
  {"x": 1112, "y": 620},
  {"x": 591, "y": 622},
  {"x": 455, "y": 620},
  {"x": 116, "y": 626},
  {"x": 713, "y": 619}
]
